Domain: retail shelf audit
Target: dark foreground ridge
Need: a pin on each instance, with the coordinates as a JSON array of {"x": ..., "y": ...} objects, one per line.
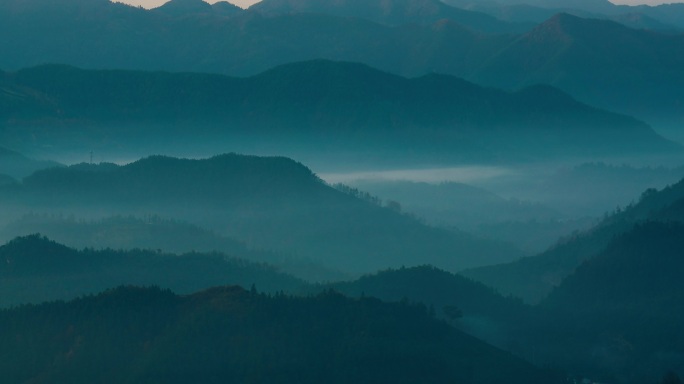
[{"x": 142, "y": 335}]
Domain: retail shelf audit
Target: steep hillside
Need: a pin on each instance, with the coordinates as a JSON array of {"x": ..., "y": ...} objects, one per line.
[
  {"x": 532, "y": 278},
  {"x": 626, "y": 302},
  {"x": 467, "y": 305}
]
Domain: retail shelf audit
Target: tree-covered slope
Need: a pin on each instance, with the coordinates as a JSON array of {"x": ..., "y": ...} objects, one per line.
[
  {"x": 269, "y": 203},
  {"x": 35, "y": 269},
  {"x": 156, "y": 233},
  {"x": 626, "y": 302},
  {"x": 532, "y": 278},
  {"x": 142, "y": 335}
]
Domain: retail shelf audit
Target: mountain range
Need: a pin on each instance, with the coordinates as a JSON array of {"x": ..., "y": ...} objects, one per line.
[
  {"x": 597, "y": 61},
  {"x": 228, "y": 334},
  {"x": 268, "y": 203},
  {"x": 314, "y": 106},
  {"x": 393, "y": 13}
]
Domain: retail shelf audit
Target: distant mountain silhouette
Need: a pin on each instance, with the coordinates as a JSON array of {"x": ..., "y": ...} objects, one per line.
[
  {"x": 395, "y": 12},
  {"x": 268, "y": 203},
  {"x": 35, "y": 269},
  {"x": 195, "y": 8},
  {"x": 228, "y": 334},
  {"x": 185, "y": 7},
  {"x": 599, "y": 62},
  {"x": 664, "y": 16},
  {"x": 225, "y": 8},
  {"x": 330, "y": 105},
  {"x": 596, "y": 61}
]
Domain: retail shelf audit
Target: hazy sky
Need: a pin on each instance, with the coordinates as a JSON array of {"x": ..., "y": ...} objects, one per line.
[{"x": 247, "y": 3}]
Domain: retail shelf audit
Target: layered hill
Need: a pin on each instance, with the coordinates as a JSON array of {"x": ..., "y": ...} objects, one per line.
[
  {"x": 390, "y": 12},
  {"x": 532, "y": 278},
  {"x": 156, "y": 233},
  {"x": 268, "y": 203},
  {"x": 596, "y": 61},
  {"x": 228, "y": 334},
  {"x": 467, "y": 305},
  {"x": 35, "y": 269},
  {"x": 626, "y": 302},
  {"x": 318, "y": 106},
  {"x": 184, "y": 36}
]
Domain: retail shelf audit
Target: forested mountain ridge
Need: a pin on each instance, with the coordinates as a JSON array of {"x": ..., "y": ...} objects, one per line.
[
  {"x": 271, "y": 204},
  {"x": 319, "y": 106},
  {"x": 143, "y": 335},
  {"x": 35, "y": 269},
  {"x": 534, "y": 277},
  {"x": 626, "y": 302}
]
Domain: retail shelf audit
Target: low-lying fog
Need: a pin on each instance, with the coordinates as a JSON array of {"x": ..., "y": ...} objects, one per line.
[{"x": 531, "y": 206}]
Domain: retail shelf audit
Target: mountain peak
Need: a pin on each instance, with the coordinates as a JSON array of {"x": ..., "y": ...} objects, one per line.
[
  {"x": 578, "y": 26},
  {"x": 225, "y": 8},
  {"x": 184, "y": 7}
]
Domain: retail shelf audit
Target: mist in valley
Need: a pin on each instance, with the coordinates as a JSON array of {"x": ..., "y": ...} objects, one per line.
[{"x": 341, "y": 191}]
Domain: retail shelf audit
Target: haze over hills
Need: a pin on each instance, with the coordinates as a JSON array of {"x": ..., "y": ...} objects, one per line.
[
  {"x": 268, "y": 203},
  {"x": 597, "y": 61},
  {"x": 532, "y": 278},
  {"x": 396, "y": 12},
  {"x": 35, "y": 269},
  {"x": 661, "y": 17},
  {"x": 467, "y": 118},
  {"x": 156, "y": 233},
  {"x": 317, "y": 106}
]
